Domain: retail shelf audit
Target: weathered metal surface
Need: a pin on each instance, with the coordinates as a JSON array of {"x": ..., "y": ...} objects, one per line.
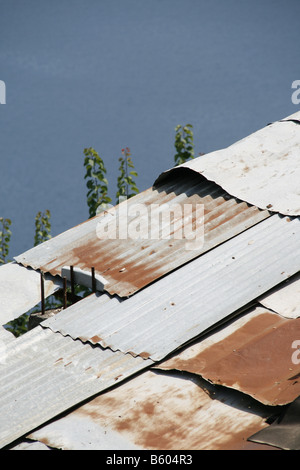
[
  {"x": 168, "y": 313},
  {"x": 108, "y": 242},
  {"x": 256, "y": 354},
  {"x": 284, "y": 299},
  {"x": 43, "y": 374},
  {"x": 20, "y": 290},
  {"x": 262, "y": 169},
  {"x": 161, "y": 412}
]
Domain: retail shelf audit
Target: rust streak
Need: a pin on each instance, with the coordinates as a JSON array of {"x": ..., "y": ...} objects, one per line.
[{"x": 144, "y": 355}]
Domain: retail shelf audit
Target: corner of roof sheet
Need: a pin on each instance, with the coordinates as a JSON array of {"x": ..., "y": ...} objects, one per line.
[
  {"x": 293, "y": 117},
  {"x": 245, "y": 168}
]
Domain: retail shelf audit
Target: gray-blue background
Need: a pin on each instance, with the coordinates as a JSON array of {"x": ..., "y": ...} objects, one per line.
[{"x": 116, "y": 73}]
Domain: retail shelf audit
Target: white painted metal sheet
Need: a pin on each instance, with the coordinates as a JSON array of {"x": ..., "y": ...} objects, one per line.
[
  {"x": 285, "y": 298},
  {"x": 25, "y": 445},
  {"x": 262, "y": 169},
  {"x": 20, "y": 290},
  {"x": 170, "y": 312}
]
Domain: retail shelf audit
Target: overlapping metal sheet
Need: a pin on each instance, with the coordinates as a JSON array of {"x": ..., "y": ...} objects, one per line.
[
  {"x": 167, "y": 314},
  {"x": 21, "y": 290},
  {"x": 285, "y": 298},
  {"x": 27, "y": 445},
  {"x": 255, "y": 354},
  {"x": 161, "y": 412},
  {"x": 246, "y": 253},
  {"x": 43, "y": 374},
  {"x": 262, "y": 169},
  {"x": 5, "y": 337},
  {"x": 126, "y": 263}
]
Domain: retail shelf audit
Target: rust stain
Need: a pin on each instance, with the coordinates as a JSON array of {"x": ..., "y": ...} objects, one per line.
[
  {"x": 255, "y": 359},
  {"x": 144, "y": 355},
  {"x": 118, "y": 376},
  {"x": 96, "y": 339},
  {"x": 164, "y": 417}
]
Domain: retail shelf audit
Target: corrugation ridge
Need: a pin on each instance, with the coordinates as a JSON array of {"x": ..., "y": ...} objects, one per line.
[{"x": 152, "y": 267}]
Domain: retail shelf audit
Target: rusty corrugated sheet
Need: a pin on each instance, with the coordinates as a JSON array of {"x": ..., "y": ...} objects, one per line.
[
  {"x": 262, "y": 169},
  {"x": 130, "y": 264},
  {"x": 5, "y": 337},
  {"x": 256, "y": 354},
  {"x": 162, "y": 412}
]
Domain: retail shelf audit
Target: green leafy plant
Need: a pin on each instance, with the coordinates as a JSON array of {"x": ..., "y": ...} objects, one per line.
[
  {"x": 42, "y": 227},
  {"x": 19, "y": 326},
  {"x": 184, "y": 144},
  {"x": 5, "y": 235},
  {"x": 97, "y": 184},
  {"x": 126, "y": 185}
]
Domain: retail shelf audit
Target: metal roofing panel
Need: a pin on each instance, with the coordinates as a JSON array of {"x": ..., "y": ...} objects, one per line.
[
  {"x": 44, "y": 374},
  {"x": 158, "y": 411},
  {"x": 30, "y": 446},
  {"x": 168, "y": 313},
  {"x": 262, "y": 169},
  {"x": 255, "y": 354},
  {"x": 108, "y": 242},
  {"x": 21, "y": 290},
  {"x": 285, "y": 298},
  {"x": 284, "y": 432}
]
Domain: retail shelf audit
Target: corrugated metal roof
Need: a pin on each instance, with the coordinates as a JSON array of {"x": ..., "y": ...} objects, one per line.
[
  {"x": 44, "y": 374},
  {"x": 21, "y": 290},
  {"x": 167, "y": 314},
  {"x": 285, "y": 298},
  {"x": 162, "y": 412},
  {"x": 262, "y": 169},
  {"x": 254, "y": 354},
  {"x": 130, "y": 264}
]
